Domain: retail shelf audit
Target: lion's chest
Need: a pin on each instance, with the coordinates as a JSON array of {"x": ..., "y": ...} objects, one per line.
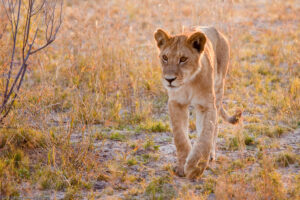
[{"x": 187, "y": 95}]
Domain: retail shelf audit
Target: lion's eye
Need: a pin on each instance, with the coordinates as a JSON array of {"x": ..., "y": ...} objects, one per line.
[
  {"x": 165, "y": 58},
  {"x": 182, "y": 59}
]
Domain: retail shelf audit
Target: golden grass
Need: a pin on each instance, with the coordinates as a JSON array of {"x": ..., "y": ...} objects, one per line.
[{"x": 102, "y": 73}]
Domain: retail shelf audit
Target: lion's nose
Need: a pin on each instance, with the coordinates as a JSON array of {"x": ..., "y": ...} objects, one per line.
[{"x": 170, "y": 80}]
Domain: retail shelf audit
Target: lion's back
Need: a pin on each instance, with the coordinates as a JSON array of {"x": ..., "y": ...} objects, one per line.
[{"x": 220, "y": 47}]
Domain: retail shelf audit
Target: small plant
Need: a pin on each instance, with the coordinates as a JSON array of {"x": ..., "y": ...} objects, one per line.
[
  {"x": 278, "y": 131},
  {"x": 287, "y": 158},
  {"x": 249, "y": 140},
  {"x": 131, "y": 162},
  {"x": 150, "y": 144},
  {"x": 145, "y": 158},
  {"x": 117, "y": 136},
  {"x": 161, "y": 188},
  {"x": 51, "y": 179},
  {"x": 209, "y": 185},
  {"x": 237, "y": 164},
  {"x": 156, "y": 126},
  {"x": 101, "y": 136},
  {"x": 233, "y": 143}
]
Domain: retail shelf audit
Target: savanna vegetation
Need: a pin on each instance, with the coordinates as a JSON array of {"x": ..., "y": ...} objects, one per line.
[{"x": 90, "y": 120}]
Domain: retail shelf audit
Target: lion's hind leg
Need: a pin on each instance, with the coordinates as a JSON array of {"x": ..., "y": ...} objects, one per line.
[{"x": 198, "y": 158}]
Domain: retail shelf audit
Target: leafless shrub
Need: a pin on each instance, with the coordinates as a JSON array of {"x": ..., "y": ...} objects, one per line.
[{"x": 34, "y": 25}]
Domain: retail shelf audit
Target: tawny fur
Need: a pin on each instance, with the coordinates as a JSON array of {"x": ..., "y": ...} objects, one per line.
[{"x": 200, "y": 80}]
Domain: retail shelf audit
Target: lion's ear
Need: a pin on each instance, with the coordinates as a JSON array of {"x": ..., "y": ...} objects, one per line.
[
  {"x": 197, "y": 41},
  {"x": 161, "y": 37}
]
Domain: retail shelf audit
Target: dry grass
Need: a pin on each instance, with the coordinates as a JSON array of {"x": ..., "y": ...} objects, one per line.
[{"x": 98, "y": 89}]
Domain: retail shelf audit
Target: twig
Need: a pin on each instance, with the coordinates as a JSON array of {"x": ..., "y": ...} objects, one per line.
[{"x": 14, "y": 13}]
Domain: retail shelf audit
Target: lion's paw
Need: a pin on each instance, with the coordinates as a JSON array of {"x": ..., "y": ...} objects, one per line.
[
  {"x": 193, "y": 173},
  {"x": 179, "y": 171}
]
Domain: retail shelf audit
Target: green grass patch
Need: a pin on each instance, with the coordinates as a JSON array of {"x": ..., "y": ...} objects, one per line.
[
  {"x": 150, "y": 145},
  {"x": 249, "y": 140},
  {"x": 131, "y": 162},
  {"x": 154, "y": 126},
  {"x": 117, "y": 136},
  {"x": 161, "y": 188}
]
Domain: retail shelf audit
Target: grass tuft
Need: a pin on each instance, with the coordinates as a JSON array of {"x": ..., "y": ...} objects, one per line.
[
  {"x": 160, "y": 188},
  {"x": 154, "y": 126},
  {"x": 287, "y": 158}
]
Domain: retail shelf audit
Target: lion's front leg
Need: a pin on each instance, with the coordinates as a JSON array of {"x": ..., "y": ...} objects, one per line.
[
  {"x": 198, "y": 158},
  {"x": 179, "y": 120}
]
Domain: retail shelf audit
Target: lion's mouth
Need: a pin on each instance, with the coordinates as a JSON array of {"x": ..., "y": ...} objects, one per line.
[{"x": 172, "y": 86}]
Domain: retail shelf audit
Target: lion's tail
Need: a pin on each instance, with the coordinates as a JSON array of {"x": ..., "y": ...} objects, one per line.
[{"x": 231, "y": 119}]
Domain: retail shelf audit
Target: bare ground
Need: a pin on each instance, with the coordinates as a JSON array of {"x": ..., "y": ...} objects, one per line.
[{"x": 157, "y": 163}]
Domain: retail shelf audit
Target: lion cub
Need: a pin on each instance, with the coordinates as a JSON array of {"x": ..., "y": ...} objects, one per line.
[{"x": 194, "y": 68}]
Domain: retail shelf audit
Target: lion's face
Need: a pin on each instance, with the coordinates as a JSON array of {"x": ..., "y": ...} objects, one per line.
[{"x": 179, "y": 56}]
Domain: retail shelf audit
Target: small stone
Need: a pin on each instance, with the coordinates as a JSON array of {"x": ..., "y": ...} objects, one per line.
[{"x": 100, "y": 185}]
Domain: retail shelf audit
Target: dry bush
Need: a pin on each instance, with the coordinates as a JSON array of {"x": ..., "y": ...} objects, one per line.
[{"x": 25, "y": 28}]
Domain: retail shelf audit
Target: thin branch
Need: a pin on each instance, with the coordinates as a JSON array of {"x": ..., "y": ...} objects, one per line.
[
  {"x": 24, "y": 64},
  {"x": 13, "y": 54},
  {"x": 51, "y": 37},
  {"x": 12, "y": 89},
  {"x": 10, "y": 104},
  {"x": 52, "y": 19},
  {"x": 26, "y": 30},
  {"x": 38, "y": 8}
]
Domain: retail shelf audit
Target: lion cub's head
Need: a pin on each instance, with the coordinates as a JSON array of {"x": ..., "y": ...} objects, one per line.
[{"x": 179, "y": 56}]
